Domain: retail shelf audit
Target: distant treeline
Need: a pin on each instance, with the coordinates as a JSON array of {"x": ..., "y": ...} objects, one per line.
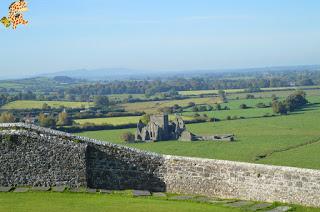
[
  {"x": 51, "y": 89},
  {"x": 251, "y": 82}
]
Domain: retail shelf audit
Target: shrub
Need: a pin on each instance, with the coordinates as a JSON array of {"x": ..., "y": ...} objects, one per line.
[
  {"x": 145, "y": 119},
  {"x": 261, "y": 105},
  {"x": 250, "y": 96},
  {"x": 128, "y": 137},
  {"x": 191, "y": 104},
  {"x": 243, "y": 106}
]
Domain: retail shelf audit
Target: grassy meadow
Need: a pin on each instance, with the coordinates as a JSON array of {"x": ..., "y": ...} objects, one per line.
[
  {"x": 232, "y": 91},
  {"x": 26, "y": 104},
  {"x": 116, "y": 121},
  {"x": 154, "y": 106},
  {"x": 83, "y": 202},
  {"x": 52, "y": 202},
  {"x": 291, "y": 140}
]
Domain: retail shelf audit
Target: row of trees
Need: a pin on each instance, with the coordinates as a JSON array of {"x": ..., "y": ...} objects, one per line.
[
  {"x": 171, "y": 86},
  {"x": 44, "y": 120}
]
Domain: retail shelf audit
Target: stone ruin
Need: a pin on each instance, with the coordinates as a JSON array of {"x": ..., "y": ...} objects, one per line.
[{"x": 160, "y": 128}]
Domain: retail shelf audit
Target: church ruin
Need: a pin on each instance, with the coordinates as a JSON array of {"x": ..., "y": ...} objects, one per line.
[{"x": 160, "y": 128}]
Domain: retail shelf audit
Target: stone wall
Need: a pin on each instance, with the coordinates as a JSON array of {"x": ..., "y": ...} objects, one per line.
[
  {"x": 227, "y": 179},
  {"x": 40, "y": 159},
  {"x": 35, "y": 156}
]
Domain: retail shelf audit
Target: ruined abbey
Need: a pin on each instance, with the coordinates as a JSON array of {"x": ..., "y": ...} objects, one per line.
[{"x": 160, "y": 128}]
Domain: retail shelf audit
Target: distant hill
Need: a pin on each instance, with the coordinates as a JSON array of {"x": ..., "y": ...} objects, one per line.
[
  {"x": 124, "y": 73},
  {"x": 100, "y": 74}
]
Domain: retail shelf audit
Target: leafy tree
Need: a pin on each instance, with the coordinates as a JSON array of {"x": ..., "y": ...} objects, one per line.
[
  {"x": 261, "y": 105},
  {"x": 45, "y": 106},
  {"x": 46, "y": 121},
  {"x": 7, "y": 117},
  {"x": 250, "y": 96},
  {"x": 191, "y": 104},
  {"x": 279, "y": 107},
  {"x": 145, "y": 119},
  {"x": 296, "y": 100},
  {"x": 218, "y": 107},
  {"x": 128, "y": 137},
  {"x": 101, "y": 101},
  {"x": 64, "y": 119},
  {"x": 243, "y": 106}
]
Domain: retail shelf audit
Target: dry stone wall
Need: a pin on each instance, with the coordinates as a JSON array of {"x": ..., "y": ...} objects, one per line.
[{"x": 33, "y": 156}]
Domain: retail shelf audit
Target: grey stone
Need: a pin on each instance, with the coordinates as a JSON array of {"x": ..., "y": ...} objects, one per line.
[
  {"x": 260, "y": 206},
  {"x": 221, "y": 201},
  {"x": 281, "y": 209},
  {"x": 103, "y": 191},
  {"x": 204, "y": 199},
  {"x": 40, "y": 189},
  {"x": 159, "y": 194},
  {"x": 58, "y": 188},
  {"x": 91, "y": 190},
  {"x": 239, "y": 204},
  {"x": 77, "y": 190},
  {"x": 21, "y": 190},
  {"x": 182, "y": 198},
  {"x": 5, "y": 189},
  {"x": 139, "y": 193}
]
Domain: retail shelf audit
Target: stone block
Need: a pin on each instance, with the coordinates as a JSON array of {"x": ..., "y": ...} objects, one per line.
[
  {"x": 139, "y": 193},
  {"x": 21, "y": 190},
  {"x": 40, "y": 189},
  {"x": 281, "y": 209},
  {"x": 77, "y": 190},
  {"x": 104, "y": 191},
  {"x": 91, "y": 190},
  {"x": 159, "y": 194},
  {"x": 239, "y": 204},
  {"x": 5, "y": 189},
  {"x": 58, "y": 188},
  {"x": 260, "y": 206},
  {"x": 182, "y": 198}
]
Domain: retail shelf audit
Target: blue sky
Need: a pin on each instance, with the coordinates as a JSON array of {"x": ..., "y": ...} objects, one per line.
[{"x": 161, "y": 35}]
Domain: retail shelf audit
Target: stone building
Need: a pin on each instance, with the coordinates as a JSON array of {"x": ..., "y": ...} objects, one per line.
[{"x": 160, "y": 128}]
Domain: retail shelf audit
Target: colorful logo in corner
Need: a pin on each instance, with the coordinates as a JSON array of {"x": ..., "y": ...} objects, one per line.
[{"x": 15, "y": 16}]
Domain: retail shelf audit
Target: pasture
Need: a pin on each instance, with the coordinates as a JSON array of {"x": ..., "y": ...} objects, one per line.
[
  {"x": 25, "y": 104},
  {"x": 154, "y": 106},
  {"x": 116, "y": 121},
  {"x": 233, "y": 91},
  {"x": 49, "y": 201},
  {"x": 291, "y": 140}
]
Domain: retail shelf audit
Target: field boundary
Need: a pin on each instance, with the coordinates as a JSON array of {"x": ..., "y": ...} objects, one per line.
[{"x": 264, "y": 156}]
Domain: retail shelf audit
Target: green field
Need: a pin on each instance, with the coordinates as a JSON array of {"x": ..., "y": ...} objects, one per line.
[
  {"x": 24, "y": 104},
  {"x": 116, "y": 121},
  {"x": 78, "y": 202},
  {"x": 280, "y": 140},
  {"x": 232, "y": 91},
  {"x": 200, "y": 92},
  {"x": 152, "y": 107},
  {"x": 54, "y": 202}
]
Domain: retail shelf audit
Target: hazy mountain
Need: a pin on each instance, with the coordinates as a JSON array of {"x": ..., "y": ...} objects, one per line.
[
  {"x": 100, "y": 74},
  {"x": 124, "y": 73}
]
